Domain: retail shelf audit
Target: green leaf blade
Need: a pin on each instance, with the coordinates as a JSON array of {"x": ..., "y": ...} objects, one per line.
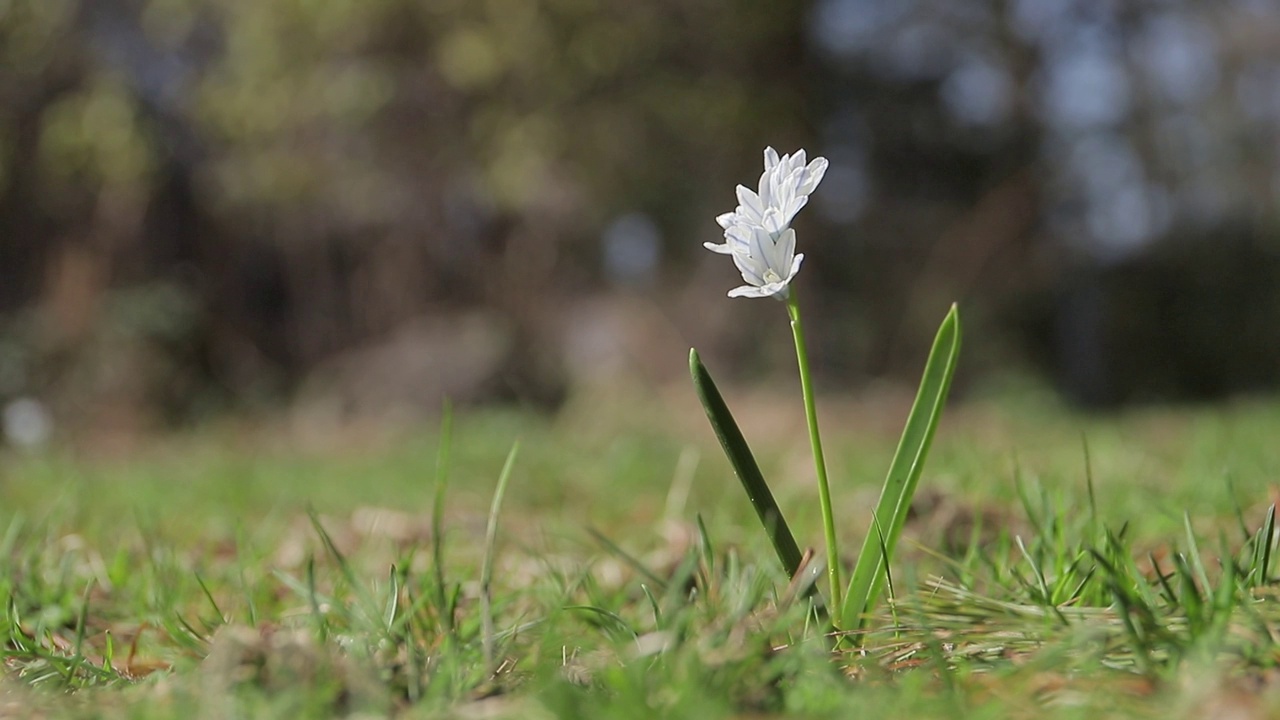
[
  {"x": 745, "y": 466},
  {"x": 904, "y": 472}
]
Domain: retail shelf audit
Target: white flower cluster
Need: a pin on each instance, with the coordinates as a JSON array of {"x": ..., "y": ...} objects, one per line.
[{"x": 758, "y": 233}]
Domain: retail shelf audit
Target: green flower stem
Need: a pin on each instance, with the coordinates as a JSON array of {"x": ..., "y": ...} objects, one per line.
[{"x": 819, "y": 462}]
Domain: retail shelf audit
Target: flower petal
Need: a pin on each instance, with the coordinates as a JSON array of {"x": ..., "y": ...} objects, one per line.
[
  {"x": 767, "y": 184},
  {"x": 812, "y": 176},
  {"x": 749, "y": 201},
  {"x": 761, "y": 247},
  {"x": 795, "y": 267},
  {"x": 779, "y": 290},
  {"x": 773, "y": 220},
  {"x": 776, "y": 290},
  {"x": 788, "y": 213},
  {"x": 739, "y": 236},
  {"x": 748, "y": 291},
  {"x": 751, "y": 270},
  {"x": 783, "y": 252}
]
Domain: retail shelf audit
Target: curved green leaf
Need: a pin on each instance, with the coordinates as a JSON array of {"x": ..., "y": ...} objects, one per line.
[
  {"x": 744, "y": 466},
  {"x": 904, "y": 473}
]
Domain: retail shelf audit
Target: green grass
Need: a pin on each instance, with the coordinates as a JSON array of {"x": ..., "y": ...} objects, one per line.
[{"x": 243, "y": 572}]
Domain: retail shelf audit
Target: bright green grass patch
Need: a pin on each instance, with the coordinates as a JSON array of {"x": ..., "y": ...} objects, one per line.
[{"x": 236, "y": 574}]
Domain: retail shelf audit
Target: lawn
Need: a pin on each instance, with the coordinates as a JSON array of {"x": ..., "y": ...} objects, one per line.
[{"x": 1056, "y": 565}]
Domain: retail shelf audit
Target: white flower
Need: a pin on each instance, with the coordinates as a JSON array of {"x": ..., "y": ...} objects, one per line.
[
  {"x": 758, "y": 232},
  {"x": 767, "y": 264},
  {"x": 784, "y": 186}
]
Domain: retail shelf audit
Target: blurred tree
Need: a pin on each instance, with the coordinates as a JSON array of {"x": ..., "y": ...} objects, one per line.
[
  {"x": 1026, "y": 154},
  {"x": 205, "y": 199},
  {"x": 314, "y": 175}
]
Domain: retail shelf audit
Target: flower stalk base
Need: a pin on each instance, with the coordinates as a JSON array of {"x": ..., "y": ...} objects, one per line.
[{"x": 834, "y": 600}]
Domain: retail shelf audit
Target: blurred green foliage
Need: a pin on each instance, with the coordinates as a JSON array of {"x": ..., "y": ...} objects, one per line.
[
  {"x": 361, "y": 110},
  {"x": 311, "y": 175}
]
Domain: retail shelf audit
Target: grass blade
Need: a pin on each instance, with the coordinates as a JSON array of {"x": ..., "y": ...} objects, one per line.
[
  {"x": 627, "y": 558},
  {"x": 393, "y": 601},
  {"x": 490, "y": 543},
  {"x": 904, "y": 473},
  {"x": 744, "y": 466},
  {"x": 1267, "y": 539},
  {"x": 437, "y": 514},
  {"x": 1193, "y": 549},
  {"x": 222, "y": 617},
  {"x": 1088, "y": 479}
]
